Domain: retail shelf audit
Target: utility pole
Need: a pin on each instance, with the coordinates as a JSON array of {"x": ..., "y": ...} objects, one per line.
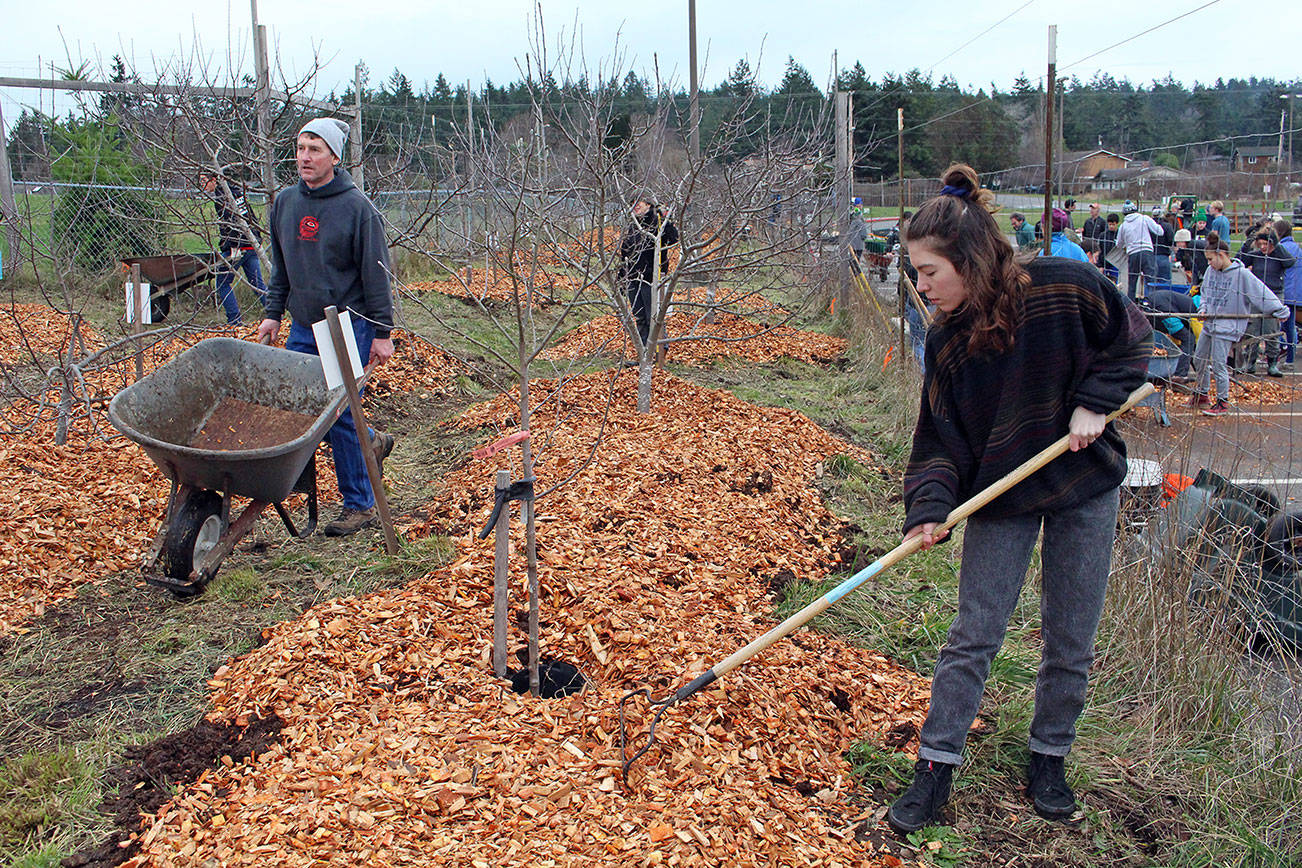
[
  {"x": 355, "y": 130},
  {"x": 1050, "y": 84},
  {"x": 841, "y": 200},
  {"x": 262, "y": 102},
  {"x": 694, "y": 103}
]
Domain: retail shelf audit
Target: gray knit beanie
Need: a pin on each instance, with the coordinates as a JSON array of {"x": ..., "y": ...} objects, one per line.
[{"x": 332, "y": 131}]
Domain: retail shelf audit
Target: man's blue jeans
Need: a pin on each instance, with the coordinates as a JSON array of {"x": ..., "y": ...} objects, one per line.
[
  {"x": 1075, "y": 557},
  {"x": 350, "y": 467},
  {"x": 248, "y": 263}
]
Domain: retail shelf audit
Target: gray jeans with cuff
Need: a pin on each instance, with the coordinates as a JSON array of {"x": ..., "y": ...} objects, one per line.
[{"x": 1076, "y": 557}]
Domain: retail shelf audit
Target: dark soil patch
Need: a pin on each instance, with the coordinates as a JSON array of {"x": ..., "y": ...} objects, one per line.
[
  {"x": 150, "y": 775},
  {"x": 237, "y": 424}
]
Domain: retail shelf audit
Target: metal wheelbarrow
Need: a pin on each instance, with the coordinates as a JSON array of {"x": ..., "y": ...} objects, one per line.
[
  {"x": 226, "y": 418},
  {"x": 169, "y": 274}
]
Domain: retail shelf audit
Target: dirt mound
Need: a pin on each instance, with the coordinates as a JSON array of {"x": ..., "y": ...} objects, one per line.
[
  {"x": 400, "y": 747},
  {"x": 149, "y": 773}
]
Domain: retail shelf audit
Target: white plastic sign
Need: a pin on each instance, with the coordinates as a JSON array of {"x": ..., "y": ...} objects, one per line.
[
  {"x": 145, "y": 308},
  {"x": 325, "y": 347}
]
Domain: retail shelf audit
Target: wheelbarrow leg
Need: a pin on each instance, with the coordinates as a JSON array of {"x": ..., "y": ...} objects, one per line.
[{"x": 306, "y": 485}]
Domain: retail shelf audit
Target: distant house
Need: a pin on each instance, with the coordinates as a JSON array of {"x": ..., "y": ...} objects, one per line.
[
  {"x": 1137, "y": 176},
  {"x": 1260, "y": 159},
  {"x": 1080, "y": 165},
  {"x": 1073, "y": 170}
]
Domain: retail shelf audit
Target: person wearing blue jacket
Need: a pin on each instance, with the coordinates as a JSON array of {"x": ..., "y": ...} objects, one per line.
[
  {"x": 1218, "y": 222},
  {"x": 1268, "y": 261},
  {"x": 328, "y": 248},
  {"x": 1060, "y": 244},
  {"x": 1292, "y": 292}
]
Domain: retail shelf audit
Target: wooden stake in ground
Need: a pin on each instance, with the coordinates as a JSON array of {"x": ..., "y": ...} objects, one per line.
[
  {"x": 363, "y": 430},
  {"x": 137, "y": 314},
  {"x": 501, "y": 553}
]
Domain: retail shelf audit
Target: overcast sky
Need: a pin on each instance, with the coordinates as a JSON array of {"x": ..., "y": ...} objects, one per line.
[{"x": 474, "y": 39}]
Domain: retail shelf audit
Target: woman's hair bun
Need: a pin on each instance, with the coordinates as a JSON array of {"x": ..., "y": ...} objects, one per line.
[
  {"x": 1213, "y": 239},
  {"x": 961, "y": 176}
]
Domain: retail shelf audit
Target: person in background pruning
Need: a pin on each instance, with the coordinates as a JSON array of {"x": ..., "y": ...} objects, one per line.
[
  {"x": 1107, "y": 243},
  {"x": 1227, "y": 288},
  {"x": 237, "y": 237},
  {"x": 1060, "y": 244},
  {"x": 646, "y": 238},
  {"x": 1021, "y": 354},
  {"x": 1182, "y": 253},
  {"x": 1136, "y": 236},
  {"x": 1292, "y": 284},
  {"x": 1022, "y": 231},
  {"x": 328, "y": 248},
  {"x": 1268, "y": 261}
]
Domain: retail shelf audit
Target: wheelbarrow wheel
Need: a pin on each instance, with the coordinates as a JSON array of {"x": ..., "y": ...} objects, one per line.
[
  {"x": 195, "y": 528},
  {"x": 160, "y": 307}
]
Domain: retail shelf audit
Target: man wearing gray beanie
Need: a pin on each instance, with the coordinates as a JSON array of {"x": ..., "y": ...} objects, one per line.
[{"x": 328, "y": 248}]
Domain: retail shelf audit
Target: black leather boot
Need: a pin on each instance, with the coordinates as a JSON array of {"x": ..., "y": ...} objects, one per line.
[
  {"x": 1048, "y": 789},
  {"x": 921, "y": 803}
]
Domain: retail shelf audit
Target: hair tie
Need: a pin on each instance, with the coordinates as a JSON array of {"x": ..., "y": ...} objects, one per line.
[{"x": 948, "y": 190}]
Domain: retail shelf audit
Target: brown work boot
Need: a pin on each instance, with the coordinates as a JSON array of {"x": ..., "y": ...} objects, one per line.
[
  {"x": 350, "y": 521},
  {"x": 382, "y": 443}
]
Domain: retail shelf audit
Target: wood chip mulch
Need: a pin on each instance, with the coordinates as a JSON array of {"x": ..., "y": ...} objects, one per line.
[
  {"x": 496, "y": 287},
  {"x": 730, "y": 335},
  {"x": 80, "y": 512},
  {"x": 400, "y": 747}
]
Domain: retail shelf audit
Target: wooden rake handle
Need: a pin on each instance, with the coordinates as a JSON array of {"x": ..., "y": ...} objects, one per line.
[{"x": 899, "y": 553}]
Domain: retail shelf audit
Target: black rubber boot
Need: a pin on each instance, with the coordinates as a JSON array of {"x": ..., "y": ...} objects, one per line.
[
  {"x": 921, "y": 803},
  {"x": 1047, "y": 787}
]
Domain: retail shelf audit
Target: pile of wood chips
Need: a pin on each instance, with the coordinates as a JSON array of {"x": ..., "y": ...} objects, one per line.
[
  {"x": 496, "y": 287},
  {"x": 80, "y": 512},
  {"x": 730, "y": 335},
  {"x": 400, "y": 747}
]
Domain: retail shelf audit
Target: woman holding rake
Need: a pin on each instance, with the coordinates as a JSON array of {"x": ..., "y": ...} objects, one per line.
[{"x": 1021, "y": 353}]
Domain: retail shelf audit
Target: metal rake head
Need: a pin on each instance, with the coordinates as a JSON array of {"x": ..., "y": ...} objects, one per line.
[{"x": 625, "y": 743}]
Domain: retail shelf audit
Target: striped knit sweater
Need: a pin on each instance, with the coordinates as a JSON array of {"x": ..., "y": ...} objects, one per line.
[{"x": 1080, "y": 343}]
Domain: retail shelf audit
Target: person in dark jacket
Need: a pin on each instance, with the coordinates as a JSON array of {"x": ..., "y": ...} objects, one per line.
[
  {"x": 646, "y": 239},
  {"x": 237, "y": 238},
  {"x": 328, "y": 248},
  {"x": 1178, "y": 328},
  {"x": 1163, "y": 245},
  {"x": 1019, "y": 356},
  {"x": 1095, "y": 225},
  {"x": 1267, "y": 260}
]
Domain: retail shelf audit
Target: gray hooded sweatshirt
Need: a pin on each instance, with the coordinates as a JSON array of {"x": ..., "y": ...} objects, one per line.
[
  {"x": 1136, "y": 232},
  {"x": 328, "y": 247},
  {"x": 1236, "y": 291}
]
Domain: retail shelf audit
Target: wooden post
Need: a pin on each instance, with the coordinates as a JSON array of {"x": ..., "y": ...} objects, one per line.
[
  {"x": 840, "y": 199},
  {"x": 261, "y": 67},
  {"x": 363, "y": 431},
  {"x": 1046, "y": 222},
  {"x": 138, "y": 301},
  {"x": 900, "y": 277},
  {"x": 8, "y": 204},
  {"x": 355, "y": 131},
  {"x": 694, "y": 98},
  {"x": 501, "y": 578}
]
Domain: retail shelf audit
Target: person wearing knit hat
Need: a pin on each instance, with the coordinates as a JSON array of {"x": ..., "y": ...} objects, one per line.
[{"x": 328, "y": 248}]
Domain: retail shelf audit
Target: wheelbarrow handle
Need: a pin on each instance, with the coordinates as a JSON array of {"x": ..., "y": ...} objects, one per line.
[{"x": 899, "y": 553}]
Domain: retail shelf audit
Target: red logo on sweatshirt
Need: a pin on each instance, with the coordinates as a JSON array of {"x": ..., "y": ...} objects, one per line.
[{"x": 307, "y": 229}]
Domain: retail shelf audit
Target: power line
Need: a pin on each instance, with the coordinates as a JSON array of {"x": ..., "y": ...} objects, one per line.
[
  {"x": 979, "y": 35},
  {"x": 1141, "y": 33}
]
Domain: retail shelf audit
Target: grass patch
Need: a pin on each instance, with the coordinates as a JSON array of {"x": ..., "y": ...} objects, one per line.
[
  {"x": 237, "y": 586},
  {"x": 38, "y": 790}
]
